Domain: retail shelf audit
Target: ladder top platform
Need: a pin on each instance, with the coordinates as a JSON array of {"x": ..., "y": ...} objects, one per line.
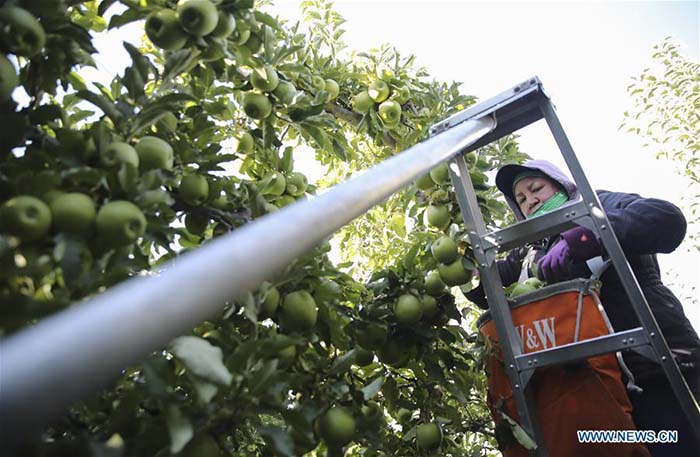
[{"x": 513, "y": 109}]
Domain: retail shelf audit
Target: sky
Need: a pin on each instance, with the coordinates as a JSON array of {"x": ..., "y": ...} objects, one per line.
[{"x": 585, "y": 53}]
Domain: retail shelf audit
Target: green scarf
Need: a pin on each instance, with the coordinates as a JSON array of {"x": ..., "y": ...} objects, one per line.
[{"x": 554, "y": 202}]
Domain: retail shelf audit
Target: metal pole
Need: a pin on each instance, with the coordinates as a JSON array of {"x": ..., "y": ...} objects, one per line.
[{"x": 47, "y": 367}]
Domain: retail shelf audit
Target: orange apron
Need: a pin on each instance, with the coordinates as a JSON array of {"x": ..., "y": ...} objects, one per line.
[{"x": 584, "y": 395}]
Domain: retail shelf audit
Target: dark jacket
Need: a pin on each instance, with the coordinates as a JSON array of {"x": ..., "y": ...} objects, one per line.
[{"x": 644, "y": 227}]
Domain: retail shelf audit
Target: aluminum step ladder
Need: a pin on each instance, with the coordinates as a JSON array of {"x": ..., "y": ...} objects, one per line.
[{"x": 512, "y": 110}]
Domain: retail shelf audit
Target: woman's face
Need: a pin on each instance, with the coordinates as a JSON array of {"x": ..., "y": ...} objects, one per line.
[{"x": 531, "y": 192}]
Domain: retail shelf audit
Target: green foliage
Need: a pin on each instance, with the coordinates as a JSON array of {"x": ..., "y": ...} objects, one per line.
[
  {"x": 666, "y": 109},
  {"x": 666, "y": 114},
  {"x": 190, "y": 165}
]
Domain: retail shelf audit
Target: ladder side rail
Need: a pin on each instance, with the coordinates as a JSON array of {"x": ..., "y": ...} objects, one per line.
[
  {"x": 498, "y": 305},
  {"x": 82, "y": 348},
  {"x": 629, "y": 282}
]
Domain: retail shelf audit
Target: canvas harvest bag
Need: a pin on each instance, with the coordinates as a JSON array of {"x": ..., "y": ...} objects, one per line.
[{"x": 584, "y": 395}]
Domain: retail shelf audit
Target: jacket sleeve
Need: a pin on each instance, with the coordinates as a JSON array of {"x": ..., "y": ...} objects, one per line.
[
  {"x": 644, "y": 225},
  {"x": 509, "y": 270}
]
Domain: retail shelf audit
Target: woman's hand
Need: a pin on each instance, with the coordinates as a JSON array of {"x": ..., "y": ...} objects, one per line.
[
  {"x": 554, "y": 265},
  {"x": 577, "y": 245}
]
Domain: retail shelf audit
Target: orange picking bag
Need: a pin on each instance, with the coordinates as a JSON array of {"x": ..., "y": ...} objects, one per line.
[{"x": 585, "y": 395}]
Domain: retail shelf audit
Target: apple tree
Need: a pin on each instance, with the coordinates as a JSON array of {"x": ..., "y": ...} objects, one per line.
[
  {"x": 369, "y": 352},
  {"x": 665, "y": 99}
]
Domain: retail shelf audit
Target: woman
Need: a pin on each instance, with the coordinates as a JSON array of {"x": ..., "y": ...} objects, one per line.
[{"x": 644, "y": 227}]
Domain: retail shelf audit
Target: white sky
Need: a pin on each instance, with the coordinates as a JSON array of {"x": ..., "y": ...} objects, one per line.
[{"x": 584, "y": 52}]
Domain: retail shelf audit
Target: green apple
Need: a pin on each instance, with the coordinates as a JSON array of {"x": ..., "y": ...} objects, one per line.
[
  {"x": 362, "y": 102},
  {"x": 296, "y": 184},
  {"x": 433, "y": 284},
  {"x": 264, "y": 79},
  {"x": 299, "y": 312},
  {"x": 403, "y": 415},
  {"x": 196, "y": 223},
  {"x": 285, "y": 92},
  {"x": 482, "y": 164},
  {"x": 197, "y": 17},
  {"x": 224, "y": 26},
  {"x": 471, "y": 159},
  {"x": 194, "y": 189},
  {"x": 216, "y": 187},
  {"x": 390, "y": 112},
  {"x": 20, "y": 32},
  {"x": 428, "y": 436},
  {"x": 270, "y": 302},
  {"x": 275, "y": 184},
  {"x": 401, "y": 95},
  {"x": 371, "y": 336},
  {"x": 534, "y": 282},
  {"x": 73, "y": 213},
  {"x": 395, "y": 352},
  {"x": 408, "y": 309},
  {"x": 525, "y": 287},
  {"x": 439, "y": 196},
  {"x": 163, "y": 29},
  {"x": 168, "y": 122},
  {"x": 118, "y": 153},
  {"x": 371, "y": 410},
  {"x": 337, "y": 427},
  {"x": 326, "y": 290},
  {"x": 284, "y": 200},
  {"x": 318, "y": 83},
  {"x": 242, "y": 32},
  {"x": 154, "y": 154},
  {"x": 440, "y": 174},
  {"x": 245, "y": 143},
  {"x": 384, "y": 72},
  {"x": 8, "y": 79},
  {"x": 520, "y": 289},
  {"x": 444, "y": 250},
  {"x": 438, "y": 216},
  {"x": 333, "y": 89},
  {"x": 221, "y": 202},
  {"x": 52, "y": 195},
  {"x": 25, "y": 217},
  {"x": 363, "y": 357},
  {"x": 425, "y": 182},
  {"x": 211, "y": 54},
  {"x": 120, "y": 223},
  {"x": 254, "y": 42},
  {"x": 430, "y": 306},
  {"x": 286, "y": 356},
  {"x": 454, "y": 274},
  {"x": 256, "y": 106},
  {"x": 378, "y": 91}
]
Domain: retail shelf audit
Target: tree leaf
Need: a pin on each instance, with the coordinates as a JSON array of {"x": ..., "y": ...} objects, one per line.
[
  {"x": 201, "y": 358},
  {"x": 179, "y": 428},
  {"x": 373, "y": 388}
]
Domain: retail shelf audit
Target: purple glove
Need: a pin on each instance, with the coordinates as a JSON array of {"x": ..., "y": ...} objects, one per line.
[
  {"x": 582, "y": 244},
  {"x": 554, "y": 265},
  {"x": 577, "y": 245}
]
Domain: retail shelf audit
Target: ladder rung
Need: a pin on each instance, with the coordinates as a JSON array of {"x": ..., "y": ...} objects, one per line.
[
  {"x": 583, "y": 349},
  {"x": 535, "y": 229}
]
